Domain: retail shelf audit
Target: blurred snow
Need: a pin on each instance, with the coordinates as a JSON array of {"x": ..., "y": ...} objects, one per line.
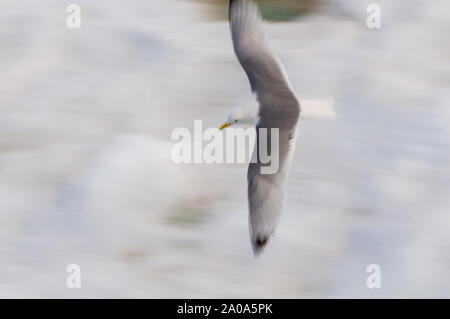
[{"x": 86, "y": 176}]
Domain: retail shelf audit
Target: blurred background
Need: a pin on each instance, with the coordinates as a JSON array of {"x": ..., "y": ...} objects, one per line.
[{"x": 85, "y": 171}]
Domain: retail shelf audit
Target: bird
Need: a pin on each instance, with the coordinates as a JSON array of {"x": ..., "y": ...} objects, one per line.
[{"x": 276, "y": 107}]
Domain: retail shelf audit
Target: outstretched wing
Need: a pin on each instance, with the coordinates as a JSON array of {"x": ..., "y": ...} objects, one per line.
[
  {"x": 266, "y": 192},
  {"x": 263, "y": 69}
]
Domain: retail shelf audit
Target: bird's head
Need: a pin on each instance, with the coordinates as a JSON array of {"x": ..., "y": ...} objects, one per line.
[
  {"x": 233, "y": 118},
  {"x": 242, "y": 116}
]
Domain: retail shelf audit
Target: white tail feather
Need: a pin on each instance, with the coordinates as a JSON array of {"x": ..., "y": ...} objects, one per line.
[{"x": 318, "y": 108}]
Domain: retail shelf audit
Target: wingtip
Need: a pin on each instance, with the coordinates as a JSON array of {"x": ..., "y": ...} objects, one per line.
[
  {"x": 230, "y": 4},
  {"x": 242, "y": 4},
  {"x": 258, "y": 245}
]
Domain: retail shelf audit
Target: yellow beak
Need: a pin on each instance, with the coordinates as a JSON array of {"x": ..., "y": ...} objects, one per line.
[{"x": 224, "y": 126}]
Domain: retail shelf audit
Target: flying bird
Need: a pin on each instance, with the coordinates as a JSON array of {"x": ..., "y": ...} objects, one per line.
[{"x": 277, "y": 107}]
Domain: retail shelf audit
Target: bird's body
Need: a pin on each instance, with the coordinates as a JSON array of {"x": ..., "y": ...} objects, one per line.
[{"x": 278, "y": 109}]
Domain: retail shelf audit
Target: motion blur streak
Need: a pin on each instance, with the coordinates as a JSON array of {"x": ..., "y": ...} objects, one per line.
[{"x": 85, "y": 170}]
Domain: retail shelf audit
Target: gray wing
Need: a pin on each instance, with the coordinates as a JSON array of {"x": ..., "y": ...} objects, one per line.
[
  {"x": 263, "y": 69},
  {"x": 266, "y": 192},
  {"x": 278, "y": 109}
]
